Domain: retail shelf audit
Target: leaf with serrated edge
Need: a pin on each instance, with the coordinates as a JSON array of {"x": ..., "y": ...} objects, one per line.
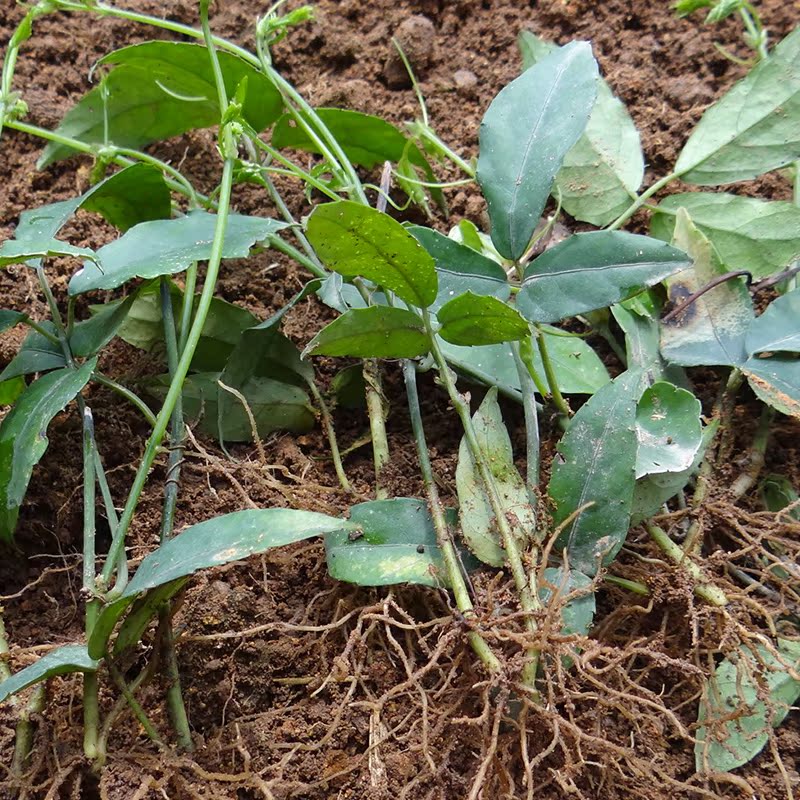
[
  {"x": 217, "y": 541},
  {"x": 754, "y": 127},
  {"x": 525, "y": 134},
  {"x": 596, "y": 463},
  {"x": 478, "y": 523},
  {"x": 23, "y": 435},
  {"x": 736, "y": 690},
  {"x": 374, "y": 332},
  {"x": 777, "y": 330},
  {"x": 593, "y": 270},
  {"x": 712, "y": 329},
  {"x": 760, "y": 236},
  {"x": 356, "y": 240},
  {"x": 668, "y": 429},
  {"x": 472, "y": 319},
  {"x": 61, "y": 661}
]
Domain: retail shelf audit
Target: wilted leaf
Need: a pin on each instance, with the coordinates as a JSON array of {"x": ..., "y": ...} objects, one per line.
[{"x": 478, "y": 523}]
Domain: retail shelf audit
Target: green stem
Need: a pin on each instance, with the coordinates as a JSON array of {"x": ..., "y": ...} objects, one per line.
[
  {"x": 377, "y": 424},
  {"x": 111, "y": 516},
  {"x": 452, "y": 563},
  {"x": 291, "y": 251},
  {"x": 327, "y": 422},
  {"x": 549, "y": 372},
  {"x": 526, "y": 587},
  {"x": 424, "y": 132},
  {"x": 702, "y": 587},
  {"x": 641, "y": 200},
  {"x": 533, "y": 445},
  {"x": 176, "y": 386},
  {"x": 138, "y": 711},
  {"x": 632, "y": 586},
  {"x": 756, "y": 455},
  {"x": 187, "y": 305},
  {"x": 130, "y": 396},
  {"x": 91, "y": 701},
  {"x": 23, "y": 740}
]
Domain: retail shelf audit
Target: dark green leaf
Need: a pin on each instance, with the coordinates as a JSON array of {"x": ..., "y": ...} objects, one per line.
[
  {"x": 778, "y": 328},
  {"x": 776, "y": 381},
  {"x": 734, "y": 717},
  {"x": 144, "y": 609},
  {"x": 759, "y": 236},
  {"x": 356, "y": 240},
  {"x": 37, "y": 354},
  {"x": 668, "y": 428},
  {"x": 61, "y": 661},
  {"x": 23, "y": 435},
  {"x": 712, "y": 329},
  {"x": 596, "y": 463},
  {"x": 525, "y": 134},
  {"x": 167, "y": 246},
  {"x": 753, "y": 129},
  {"x": 157, "y": 90},
  {"x": 348, "y": 386},
  {"x": 604, "y": 169},
  {"x": 374, "y": 332},
  {"x": 460, "y": 268},
  {"x": 274, "y": 404},
  {"x": 471, "y": 319},
  {"x": 217, "y": 541},
  {"x": 264, "y": 352},
  {"x": 92, "y": 335},
  {"x": 777, "y": 492},
  {"x": 222, "y": 334},
  {"x": 478, "y": 522},
  {"x": 8, "y": 319},
  {"x": 594, "y": 270},
  {"x": 394, "y": 542}
]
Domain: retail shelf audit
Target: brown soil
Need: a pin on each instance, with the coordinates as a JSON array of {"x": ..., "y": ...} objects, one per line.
[{"x": 300, "y": 687}]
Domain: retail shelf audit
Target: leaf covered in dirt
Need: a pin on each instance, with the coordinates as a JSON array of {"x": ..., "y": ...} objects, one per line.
[{"x": 478, "y": 523}]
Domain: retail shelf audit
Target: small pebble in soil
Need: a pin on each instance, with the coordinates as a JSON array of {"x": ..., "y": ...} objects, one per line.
[
  {"x": 465, "y": 82},
  {"x": 416, "y": 36}
]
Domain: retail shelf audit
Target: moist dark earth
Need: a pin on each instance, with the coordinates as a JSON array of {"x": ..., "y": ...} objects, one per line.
[{"x": 297, "y": 686}]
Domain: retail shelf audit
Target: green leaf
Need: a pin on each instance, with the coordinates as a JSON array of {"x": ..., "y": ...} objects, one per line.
[
  {"x": 8, "y": 319},
  {"x": 737, "y": 690},
  {"x": 157, "y": 90},
  {"x": 652, "y": 491},
  {"x": 525, "y": 134},
  {"x": 596, "y": 463},
  {"x": 777, "y": 330},
  {"x": 167, "y": 246},
  {"x": 221, "y": 540},
  {"x": 144, "y": 609},
  {"x": 11, "y": 389},
  {"x": 593, "y": 270},
  {"x": 374, "y": 332},
  {"x": 478, "y": 523},
  {"x": 471, "y": 319},
  {"x": 349, "y": 387},
  {"x": 776, "y": 381},
  {"x": 274, "y": 404},
  {"x": 754, "y": 128},
  {"x": 460, "y": 269},
  {"x": 777, "y": 492},
  {"x": 712, "y": 329},
  {"x": 356, "y": 240},
  {"x": 604, "y": 169},
  {"x": 60, "y": 661},
  {"x": 578, "y": 369},
  {"x": 92, "y": 335},
  {"x": 37, "y": 354},
  {"x": 16, "y": 252},
  {"x": 366, "y": 140},
  {"x": 759, "y": 236},
  {"x": 577, "y": 614},
  {"x": 23, "y": 436},
  {"x": 394, "y": 542},
  {"x": 668, "y": 429},
  {"x": 263, "y": 351}
]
